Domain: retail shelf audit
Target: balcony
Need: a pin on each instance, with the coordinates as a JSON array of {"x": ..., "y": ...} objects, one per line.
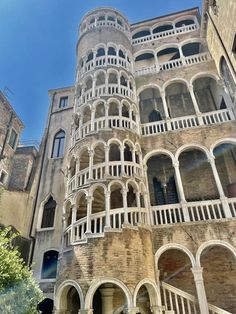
[
  {"x": 185, "y": 122},
  {"x": 174, "y": 64},
  {"x": 168, "y": 33}
]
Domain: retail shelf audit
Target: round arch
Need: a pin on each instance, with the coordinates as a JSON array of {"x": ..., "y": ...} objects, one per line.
[
  {"x": 175, "y": 246},
  {"x": 173, "y": 81},
  {"x": 152, "y": 291},
  {"x": 97, "y": 283},
  {"x": 221, "y": 141},
  {"x": 158, "y": 152},
  {"x": 142, "y": 88},
  {"x": 118, "y": 182},
  {"x": 63, "y": 288},
  {"x": 210, "y": 243},
  {"x": 193, "y": 146},
  {"x": 204, "y": 75}
]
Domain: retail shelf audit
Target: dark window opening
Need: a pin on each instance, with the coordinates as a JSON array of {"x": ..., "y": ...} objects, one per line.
[
  {"x": 58, "y": 145},
  {"x": 162, "y": 28},
  {"x": 49, "y": 269},
  {"x": 100, "y": 52},
  {"x": 141, "y": 34},
  {"x": 121, "y": 54},
  {"x": 144, "y": 56},
  {"x": 191, "y": 49},
  {"x": 184, "y": 23},
  {"x": 111, "y": 51},
  {"x": 12, "y": 139},
  {"x": 49, "y": 213},
  {"x": 155, "y": 115},
  {"x": 63, "y": 102},
  {"x": 168, "y": 51}
]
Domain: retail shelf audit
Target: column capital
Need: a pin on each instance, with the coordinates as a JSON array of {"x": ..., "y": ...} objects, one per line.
[
  {"x": 197, "y": 273},
  {"x": 163, "y": 93},
  {"x": 91, "y": 152},
  {"x": 176, "y": 164},
  {"x": 89, "y": 198},
  {"x": 132, "y": 310}
]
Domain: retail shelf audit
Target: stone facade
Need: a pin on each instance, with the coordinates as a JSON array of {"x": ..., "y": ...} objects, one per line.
[{"x": 136, "y": 201}]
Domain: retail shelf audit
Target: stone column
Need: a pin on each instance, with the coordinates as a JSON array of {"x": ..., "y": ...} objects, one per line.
[
  {"x": 91, "y": 153},
  {"x": 107, "y": 300},
  {"x": 182, "y": 57},
  {"x": 180, "y": 190},
  {"x": 122, "y": 160},
  {"x": 107, "y": 149},
  {"x": 150, "y": 216},
  {"x": 94, "y": 86},
  {"x": 89, "y": 212},
  {"x": 92, "y": 118},
  {"x": 132, "y": 310},
  {"x": 156, "y": 309},
  {"x": 201, "y": 293},
  {"x": 106, "y": 116},
  {"x": 220, "y": 188},
  {"x": 73, "y": 220},
  {"x": 195, "y": 104},
  {"x": 124, "y": 195},
  {"x": 107, "y": 207},
  {"x": 89, "y": 311},
  {"x": 165, "y": 107}
]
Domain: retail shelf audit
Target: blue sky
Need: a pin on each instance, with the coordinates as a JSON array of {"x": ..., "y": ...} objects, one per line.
[{"x": 37, "y": 47}]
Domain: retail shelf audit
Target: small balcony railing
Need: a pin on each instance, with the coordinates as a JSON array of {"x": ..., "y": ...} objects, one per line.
[
  {"x": 76, "y": 233},
  {"x": 104, "y": 61},
  {"x": 103, "y": 90},
  {"x": 162, "y": 126},
  {"x": 193, "y": 211},
  {"x": 174, "y": 64},
  {"x": 113, "y": 169},
  {"x": 164, "y": 34}
]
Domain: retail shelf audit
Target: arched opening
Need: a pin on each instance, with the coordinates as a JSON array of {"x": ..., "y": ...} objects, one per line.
[
  {"x": 90, "y": 57},
  {"x": 210, "y": 96},
  {"x": 101, "y": 18},
  {"x": 108, "y": 298},
  {"x": 179, "y": 100},
  {"x": 116, "y": 199},
  {"x": 191, "y": 49},
  {"x": 100, "y": 52},
  {"x": 184, "y": 22},
  {"x": 68, "y": 210},
  {"x": 175, "y": 270},
  {"x": 84, "y": 159},
  {"x": 88, "y": 84},
  {"x": 161, "y": 180},
  {"x": 72, "y": 167},
  {"x": 73, "y": 301},
  {"x": 100, "y": 110},
  {"x": 86, "y": 114},
  {"x": 150, "y": 105},
  {"x": 144, "y": 60},
  {"x": 141, "y": 34},
  {"x": 128, "y": 153},
  {"x": 100, "y": 79},
  {"x": 111, "y": 51},
  {"x": 98, "y": 205},
  {"x": 49, "y": 213},
  {"x": 49, "y": 267},
  {"x": 121, "y": 54},
  {"x": 81, "y": 203},
  {"x": 92, "y": 20},
  {"x": 143, "y": 301},
  {"x": 58, "y": 144},
  {"x": 125, "y": 110},
  {"x": 124, "y": 80},
  {"x": 45, "y": 306},
  {"x": 168, "y": 54},
  {"x": 162, "y": 28},
  {"x": 225, "y": 160},
  {"x": 219, "y": 274},
  {"x": 197, "y": 176},
  {"x": 111, "y": 18},
  {"x": 114, "y": 152},
  {"x": 131, "y": 196},
  {"x": 99, "y": 154},
  {"x": 112, "y": 78},
  {"x": 113, "y": 109},
  {"x": 228, "y": 78}
]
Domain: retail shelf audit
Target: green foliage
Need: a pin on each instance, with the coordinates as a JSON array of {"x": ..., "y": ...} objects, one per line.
[{"x": 19, "y": 293}]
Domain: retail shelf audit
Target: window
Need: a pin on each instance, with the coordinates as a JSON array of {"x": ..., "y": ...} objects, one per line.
[
  {"x": 3, "y": 177},
  {"x": 58, "y": 144},
  {"x": 63, "y": 102},
  {"x": 48, "y": 213},
  {"x": 12, "y": 139},
  {"x": 49, "y": 268}
]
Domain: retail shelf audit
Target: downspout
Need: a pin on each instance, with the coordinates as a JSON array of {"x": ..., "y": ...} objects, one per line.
[{"x": 39, "y": 181}]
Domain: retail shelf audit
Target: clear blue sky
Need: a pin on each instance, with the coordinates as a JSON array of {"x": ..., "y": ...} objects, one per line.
[{"x": 37, "y": 47}]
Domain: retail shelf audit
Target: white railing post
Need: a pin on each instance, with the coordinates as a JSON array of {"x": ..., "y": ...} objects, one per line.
[
  {"x": 124, "y": 196},
  {"x": 73, "y": 220},
  {"x": 201, "y": 293},
  {"x": 106, "y": 116},
  {"x": 166, "y": 111},
  {"x": 92, "y": 118},
  {"x": 223, "y": 198},
  {"x": 107, "y": 149},
  {"x": 91, "y": 153},
  {"x": 94, "y": 86},
  {"x": 122, "y": 160}
]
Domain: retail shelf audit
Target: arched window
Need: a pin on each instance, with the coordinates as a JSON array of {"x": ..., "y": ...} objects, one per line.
[
  {"x": 58, "y": 144},
  {"x": 48, "y": 213},
  {"x": 49, "y": 268}
]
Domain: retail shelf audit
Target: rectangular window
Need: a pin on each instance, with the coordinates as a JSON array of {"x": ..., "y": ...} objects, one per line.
[
  {"x": 12, "y": 139},
  {"x": 63, "y": 102}
]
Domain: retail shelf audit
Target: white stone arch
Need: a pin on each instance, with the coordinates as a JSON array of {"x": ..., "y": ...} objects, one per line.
[
  {"x": 163, "y": 23},
  {"x": 157, "y": 152},
  {"x": 100, "y": 45},
  {"x": 228, "y": 140},
  {"x": 113, "y": 182},
  {"x": 152, "y": 289},
  {"x": 98, "y": 102},
  {"x": 112, "y": 44},
  {"x": 87, "y": 78},
  {"x": 192, "y": 146},
  {"x": 210, "y": 243},
  {"x": 167, "y": 45},
  {"x": 95, "y": 186},
  {"x": 175, "y": 80},
  {"x": 134, "y": 184},
  {"x": 114, "y": 140},
  {"x": 184, "y": 18},
  {"x": 79, "y": 194},
  {"x": 142, "y": 51},
  {"x": 112, "y": 70},
  {"x": 129, "y": 143},
  {"x": 140, "y": 29},
  {"x": 137, "y": 147},
  {"x": 143, "y": 87},
  {"x": 142, "y": 188},
  {"x": 205, "y": 74},
  {"x": 174, "y": 246},
  {"x": 98, "y": 282},
  {"x": 99, "y": 142},
  {"x": 64, "y": 288},
  {"x": 96, "y": 73},
  {"x": 41, "y": 208},
  {"x": 82, "y": 149},
  {"x": 192, "y": 40},
  {"x": 113, "y": 100}
]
